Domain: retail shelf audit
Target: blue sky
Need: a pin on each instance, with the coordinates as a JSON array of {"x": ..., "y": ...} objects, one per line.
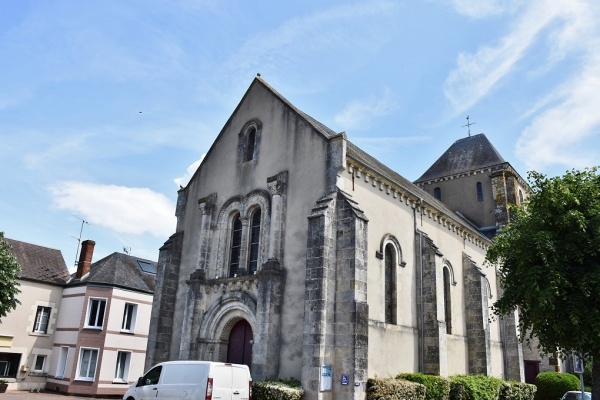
[{"x": 107, "y": 106}]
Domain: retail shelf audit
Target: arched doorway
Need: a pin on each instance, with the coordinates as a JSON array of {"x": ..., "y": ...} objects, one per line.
[{"x": 239, "y": 349}]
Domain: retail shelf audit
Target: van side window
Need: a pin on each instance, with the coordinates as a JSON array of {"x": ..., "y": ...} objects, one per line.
[{"x": 152, "y": 377}]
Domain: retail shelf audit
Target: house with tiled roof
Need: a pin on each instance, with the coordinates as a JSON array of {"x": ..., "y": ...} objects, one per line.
[
  {"x": 102, "y": 331},
  {"x": 27, "y": 333}
]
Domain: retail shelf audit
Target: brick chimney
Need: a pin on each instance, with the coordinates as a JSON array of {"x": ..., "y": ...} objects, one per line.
[{"x": 85, "y": 258}]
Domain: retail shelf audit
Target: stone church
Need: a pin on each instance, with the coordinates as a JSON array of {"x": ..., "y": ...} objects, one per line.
[{"x": 300, "y": 255}]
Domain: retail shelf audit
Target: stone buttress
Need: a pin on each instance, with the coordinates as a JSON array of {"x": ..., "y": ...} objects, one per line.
[{"x": 336, "y": 310}]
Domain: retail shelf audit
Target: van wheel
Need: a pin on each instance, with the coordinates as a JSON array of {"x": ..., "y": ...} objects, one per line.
[{"x": 130, "y": 398}]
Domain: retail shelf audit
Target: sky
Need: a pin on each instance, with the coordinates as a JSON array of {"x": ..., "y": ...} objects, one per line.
[{"x": 107, "y": 107}]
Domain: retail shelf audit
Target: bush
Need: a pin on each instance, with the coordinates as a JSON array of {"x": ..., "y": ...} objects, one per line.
[
  {"x": 474, "y": 387},
  {"x": 277, "y": 390},
  {"x": 517, "y": 391},
  {"x": 438, "y": 388},
  {"x": 552, "y": 385},
  {"x": 394, "y": 389}
]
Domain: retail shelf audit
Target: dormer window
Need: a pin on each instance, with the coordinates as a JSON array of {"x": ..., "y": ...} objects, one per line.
[{"x": 249, "y": 142}]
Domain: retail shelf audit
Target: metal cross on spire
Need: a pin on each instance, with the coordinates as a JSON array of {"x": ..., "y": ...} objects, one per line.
[{"x": 468, "y": 125}]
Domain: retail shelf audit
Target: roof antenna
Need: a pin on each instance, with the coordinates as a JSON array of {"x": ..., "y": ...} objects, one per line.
[
  {"x": 79, "y": 238},
  {"x": 468, "y": 125}
]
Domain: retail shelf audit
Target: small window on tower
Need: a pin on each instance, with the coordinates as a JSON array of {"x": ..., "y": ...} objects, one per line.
[
  {"x": 437, "y": 193},
  {"x": 479, "y": 192}
]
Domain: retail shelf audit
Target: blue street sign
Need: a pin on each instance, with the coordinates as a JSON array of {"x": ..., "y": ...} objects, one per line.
[
  {"x": 577, "y": 363},
  {"x": 345, "y": 379}
]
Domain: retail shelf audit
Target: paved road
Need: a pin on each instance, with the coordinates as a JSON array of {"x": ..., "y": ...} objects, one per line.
[{"x": 20, "y": 395}]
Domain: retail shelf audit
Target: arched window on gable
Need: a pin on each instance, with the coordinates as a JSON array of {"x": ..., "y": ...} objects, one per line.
[
  {"x": 447, "y": 301},
  {"x": 254, "y": 242},
  {"x": 479, "y": 192},
  {"x": 236, "y": 245},
  {"x": 390, "y": 284},
  {"x": 437, "y": 193},
  {"x": 250, "y": 144}
]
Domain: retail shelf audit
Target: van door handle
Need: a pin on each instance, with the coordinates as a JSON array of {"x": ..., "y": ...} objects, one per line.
[
  {"x": 155, "y": 388},
  {"x": 236, "y": 392}
]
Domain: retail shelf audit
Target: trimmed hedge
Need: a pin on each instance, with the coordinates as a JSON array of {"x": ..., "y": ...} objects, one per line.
[
  {"x": 438, "y": 388},
  {"x": 275, "y": 390},
  {"x": 552, "y": 385},
  {"x": 474, "y": 387},
  {"x": 394, "y": 389},
  {"x": 512, "y": 390}
]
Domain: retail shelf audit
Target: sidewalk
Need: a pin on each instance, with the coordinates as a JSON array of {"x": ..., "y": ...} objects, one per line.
[{"x": 46, "y": 395}]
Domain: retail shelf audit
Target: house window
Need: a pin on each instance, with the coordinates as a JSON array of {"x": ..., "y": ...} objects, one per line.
[
  {"x": 250, "y": 144},
  {"x": 9, "y": 364},
  {"x": 95, "y": 313},
  {"x": 86, "y": 370},
  {"x": 390, "y": 284},
  {"x": 254, "y": 242},
  {"x": 479, "y": 192},
  {"x": 236, "y": 246},
  {"x": 122, "y": 367},
  {"x": 437, "y": 193},
  {"x": 42, "y": 316},
  {"x": 447, "y": 301},
  {"x": 40, "y": 361},
  {"x": 129, "y": 317},
  {"x": 62, "y": 362}
]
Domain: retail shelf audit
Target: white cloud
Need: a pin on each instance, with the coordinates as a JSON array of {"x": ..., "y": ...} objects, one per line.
[
  {"x": 477, "y": 74},
  {"x": 191, "y": 169},
  {"x": 563, "y": 120},
  {"x": 557, "y": 134},
  {"x": 122, "y": 209},
  {"x": 483, "y": 8},
  {"x": 359, "y": 114},
  {"x": 307, "y": 36}
]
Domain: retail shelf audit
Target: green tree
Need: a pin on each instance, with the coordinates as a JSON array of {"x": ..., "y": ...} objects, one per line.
[
  {"x": 9, "y": 272},
  {"x": 548, "y": 259}
]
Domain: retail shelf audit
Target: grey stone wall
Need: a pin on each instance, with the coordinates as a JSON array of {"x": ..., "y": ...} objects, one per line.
[
  {"x": 267, "y": 338},
  {"x": 336, "y": 311},
  {"x": 476, "y": 305},
  {"x": 513, "y": 352},
  {"x": 432, "y": 330},
  {"x": 161, "y": 319}
]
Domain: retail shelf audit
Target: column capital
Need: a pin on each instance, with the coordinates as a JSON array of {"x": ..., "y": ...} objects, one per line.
[
  {"x": 277, "y": 184},
  {"x": 207, "y": 204}
]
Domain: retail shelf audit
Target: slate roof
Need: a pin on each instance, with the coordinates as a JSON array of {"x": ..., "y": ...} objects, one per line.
[
  {"x": 359, "y": 155},
  {"x": 120, "y": 270},
  {"x": 467, "y": 154},
  {"x": 39, "y": 263}
]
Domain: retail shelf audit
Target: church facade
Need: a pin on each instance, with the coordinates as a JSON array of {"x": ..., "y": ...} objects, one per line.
[{"x": 299, "y": 254}]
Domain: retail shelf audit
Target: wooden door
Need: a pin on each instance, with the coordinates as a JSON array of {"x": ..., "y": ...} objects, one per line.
[{"x": 239, "y": 349}]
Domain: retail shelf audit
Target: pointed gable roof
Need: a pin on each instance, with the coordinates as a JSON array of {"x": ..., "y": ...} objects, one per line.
[
  {"x": 467, "y": 154},
  {"x": 120, "y": 270},
  {"x": 319, "y": 127},
  {"x": 39, "y": 263}
]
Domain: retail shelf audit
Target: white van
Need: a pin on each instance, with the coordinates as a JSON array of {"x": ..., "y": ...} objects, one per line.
[{"x": 193, "y": 380}]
